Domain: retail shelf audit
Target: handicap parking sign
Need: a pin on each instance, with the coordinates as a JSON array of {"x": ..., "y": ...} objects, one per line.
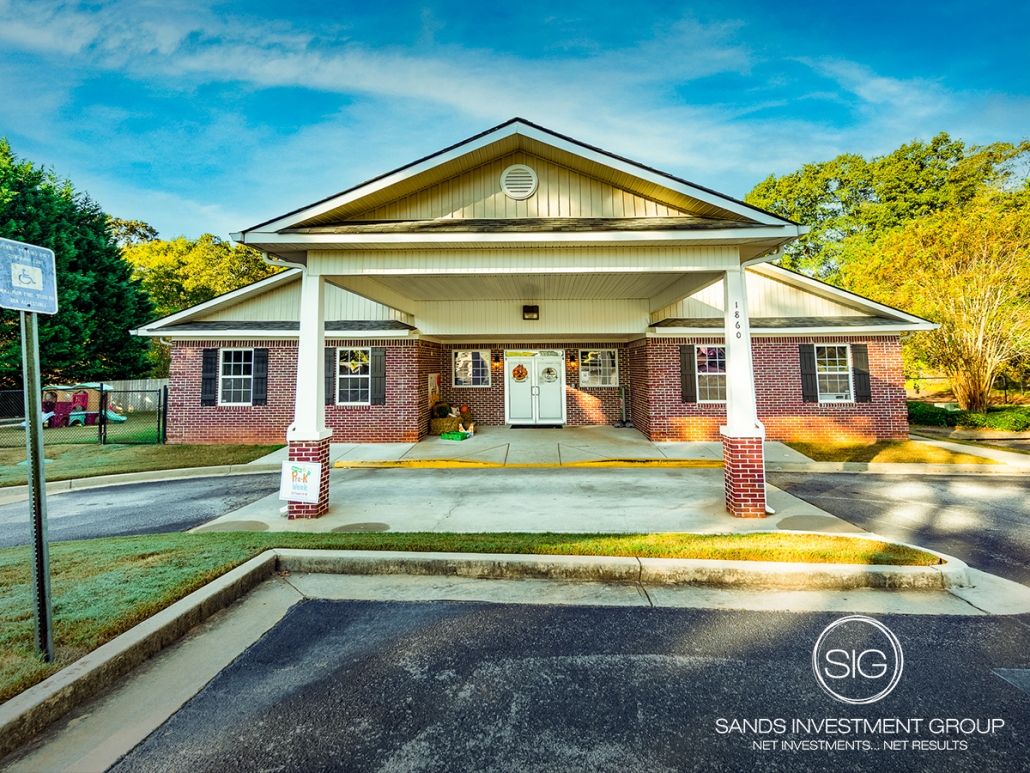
[{"x": 28, "y": 277}]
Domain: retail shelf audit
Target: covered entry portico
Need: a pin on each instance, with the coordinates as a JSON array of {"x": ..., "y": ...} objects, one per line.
[{"x": 601, "y": 247}]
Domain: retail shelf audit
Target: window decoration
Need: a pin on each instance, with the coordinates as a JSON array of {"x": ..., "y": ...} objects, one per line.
[
  {"x": 711, "y": 374},
  {"x": 598, "y": 368},
  {"x": 354, "y": 382},
  {"x": 833, "y": 368},
  {"x": 471, "y": 368},
  {"x": 236, "y": 377}
]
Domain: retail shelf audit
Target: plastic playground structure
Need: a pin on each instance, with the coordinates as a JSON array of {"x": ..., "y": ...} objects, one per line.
[{"x": 76, "y": 406}]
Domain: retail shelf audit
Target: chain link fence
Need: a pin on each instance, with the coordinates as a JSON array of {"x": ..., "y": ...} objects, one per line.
[{"x": 88, "y": 416}]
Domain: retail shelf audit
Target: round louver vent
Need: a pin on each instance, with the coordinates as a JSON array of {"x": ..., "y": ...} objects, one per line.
[{"x": 518, "y": 182}]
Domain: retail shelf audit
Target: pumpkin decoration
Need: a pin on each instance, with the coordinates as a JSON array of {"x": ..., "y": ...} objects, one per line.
[{"x": 464, "y": 409}]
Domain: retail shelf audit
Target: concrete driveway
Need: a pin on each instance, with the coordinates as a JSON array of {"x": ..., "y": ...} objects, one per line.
[{"x": 983, "y": 520}]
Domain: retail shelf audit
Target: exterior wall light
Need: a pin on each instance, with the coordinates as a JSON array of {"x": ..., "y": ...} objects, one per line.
[
  {"x": 572, "y": 356},
  {"x": 531, "y": 312}
]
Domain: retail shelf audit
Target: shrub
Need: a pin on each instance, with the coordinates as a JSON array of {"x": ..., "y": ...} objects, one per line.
[
  {"x": 1011, "y": 421},
  {"x": 927, "y": 415}
]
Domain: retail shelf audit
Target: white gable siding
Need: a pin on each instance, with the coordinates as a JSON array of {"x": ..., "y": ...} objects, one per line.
[
  {"x": 477, "y": 194},
  {"x": 283, "y": 304},
  {"x": 766, "y": 297}
]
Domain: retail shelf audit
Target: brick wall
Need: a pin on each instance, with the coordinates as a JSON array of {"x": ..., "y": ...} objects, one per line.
[
  {"x": 778, "y": 391},
  {"x": 648, "y": 368},
  {"x": 404, "y": 417}
]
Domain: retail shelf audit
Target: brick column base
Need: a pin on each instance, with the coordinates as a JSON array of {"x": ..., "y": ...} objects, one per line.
[
  {"x": 745, "y": 476},
  {"x": 312, "y": 451}
]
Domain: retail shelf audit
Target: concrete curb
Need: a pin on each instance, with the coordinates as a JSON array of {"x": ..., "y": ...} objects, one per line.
[
  {"x": 11, "y": 494},
  {"x": 646, "y": 571},
  {"x": 29, "y": 712},
  {"x": 1001, "y": 468}
]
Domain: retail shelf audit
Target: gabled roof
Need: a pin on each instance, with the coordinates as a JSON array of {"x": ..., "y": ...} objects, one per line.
[{"x": 513, "y": 135}]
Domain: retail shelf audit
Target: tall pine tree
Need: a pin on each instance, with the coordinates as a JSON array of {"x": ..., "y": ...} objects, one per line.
[{"x": 98, "y": 301}]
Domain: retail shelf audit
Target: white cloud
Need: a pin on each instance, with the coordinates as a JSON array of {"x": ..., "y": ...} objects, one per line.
[{"x": 645, "y": 100}]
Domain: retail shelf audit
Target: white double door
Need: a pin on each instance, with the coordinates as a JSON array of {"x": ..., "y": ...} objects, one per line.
[{"x": 534, "y": 387}]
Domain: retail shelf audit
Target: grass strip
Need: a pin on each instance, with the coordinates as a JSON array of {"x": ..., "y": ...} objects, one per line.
[
  {"x": 998, "y": 443},
  {"x": 886, "y": 451},
  {"x": 103, "y": 587},
  {"x": 87, "y": 461}
]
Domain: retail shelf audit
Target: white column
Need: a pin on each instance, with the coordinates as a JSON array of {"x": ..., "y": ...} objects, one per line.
[
  {"x": 309, "y": 411},
  {"x": 741, "y": 411}
]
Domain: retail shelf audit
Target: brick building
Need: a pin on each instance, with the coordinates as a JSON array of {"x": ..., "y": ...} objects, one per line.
[{"x": 538, "y": 281}]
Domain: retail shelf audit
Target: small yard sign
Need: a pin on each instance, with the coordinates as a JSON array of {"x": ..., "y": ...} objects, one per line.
[
  {"x": 28, "y": 278},
  {"x": 300, "y": 482}
]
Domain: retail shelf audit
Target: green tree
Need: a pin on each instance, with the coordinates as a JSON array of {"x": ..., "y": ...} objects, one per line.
[
  {"x": 129, "y": 233},
  {"x": 98, "y": 301},
  {"x": 850, "y": 197},
  {"x": 967, "y": 269},
  {"x": 183, "y": 272}
]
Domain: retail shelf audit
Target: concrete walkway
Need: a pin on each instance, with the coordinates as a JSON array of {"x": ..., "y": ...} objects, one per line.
[
  {"x": 1011, "y": 458},
  {"x": 544, "y": 499},
  {"x": 557, "y": 447}
]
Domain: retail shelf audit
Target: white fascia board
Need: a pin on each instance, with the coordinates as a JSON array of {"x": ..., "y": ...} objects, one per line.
[
  {"x": 517, "y": 127},
  {"x": 653, "y": 176},
  {"x": 385, "y": 182},
  {"x": 230, "y": 298},
  {"x": 257, "y": 335},
  {"x": 717, "y": 332},
  {"x": 847, "y": 298},
  {"x": 777, "y": 234}
]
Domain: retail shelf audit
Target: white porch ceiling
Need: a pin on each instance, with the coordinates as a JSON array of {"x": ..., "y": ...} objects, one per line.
[{"x": 528, "y": 287}]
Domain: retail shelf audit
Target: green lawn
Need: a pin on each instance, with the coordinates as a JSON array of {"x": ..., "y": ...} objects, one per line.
[
  {"x": 897, "y": 452},
  {"x": 86, "y": 461},
  {"x": 101, "y": 588}
]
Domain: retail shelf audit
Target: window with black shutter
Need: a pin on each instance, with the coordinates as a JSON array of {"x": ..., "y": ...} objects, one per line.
[
  {"x": 688, "y": 373},
  {"x": 809, "y": 376},
  {"x": 209, "y": 378},
  {"x": 330, "y": 375},
  {"x": 378, "y": 370},
  {"x": 860, "y": 373},
  {"x": 259, "y": 381}
]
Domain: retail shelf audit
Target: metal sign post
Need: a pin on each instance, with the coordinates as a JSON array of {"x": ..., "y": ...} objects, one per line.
[
  {"x": 28, "y": 283},
  {"x": 37, "y": 487}
]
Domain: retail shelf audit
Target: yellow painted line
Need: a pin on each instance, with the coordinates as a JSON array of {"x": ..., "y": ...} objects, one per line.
[{"x": 451, "y": 464}]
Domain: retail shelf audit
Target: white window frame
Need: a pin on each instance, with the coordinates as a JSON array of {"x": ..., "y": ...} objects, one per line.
[
  {"x": 850, "y": 374},
  {"x": 221, "y": 377},
  {"x": 698, "y": 373},
  {"x": 615, "y": 382},
  {"x": 483, "y": 353},
  {"x": 340, "y": 376}
]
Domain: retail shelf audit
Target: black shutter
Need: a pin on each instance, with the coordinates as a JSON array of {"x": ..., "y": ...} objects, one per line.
[
  {"x": 259, "y": 379},
  {"x": 809, "y": 379},
  {"x": 330, "y": 375},
  {"x": 377, "y": 363},
  {"x": 860, "y": 371},
  {"x": 688, "y": 370},
  {"x": 209, "y": 378}
]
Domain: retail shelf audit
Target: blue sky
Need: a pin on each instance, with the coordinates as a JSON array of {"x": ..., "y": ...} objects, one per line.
[{"x": 201, "y": 117}]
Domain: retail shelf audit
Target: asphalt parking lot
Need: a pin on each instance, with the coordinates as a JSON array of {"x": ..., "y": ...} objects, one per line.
[
  {"x": 445, "y": 686},
  {"x": 982, "y": 519}
]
